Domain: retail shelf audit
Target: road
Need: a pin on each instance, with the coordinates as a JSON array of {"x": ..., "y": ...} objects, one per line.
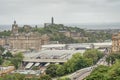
[{"x": 81, "y": 74}]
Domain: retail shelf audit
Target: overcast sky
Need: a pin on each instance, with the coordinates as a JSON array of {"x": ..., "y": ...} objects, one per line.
[{"x": 63, "y": 11}]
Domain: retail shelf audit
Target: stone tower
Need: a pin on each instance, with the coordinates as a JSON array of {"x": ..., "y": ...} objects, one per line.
[
  {"x": 14, "y": 28},
  {"x": 52, "y": 20}
]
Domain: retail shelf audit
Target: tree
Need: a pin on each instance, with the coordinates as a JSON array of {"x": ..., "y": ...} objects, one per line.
[
  {"x": 114, "y": 72},
  {"x": 100, "y": 73},
  {"x": 106, "y": 72},
  {"x": 64, "y": 78},
  {"x": 71, "y": 64},
  {"x": 13, "y": 77},
  {"x": 45, "y": 77},
  {"x": 51, "y": 70},
  {"x": 19, "y": 55},
  {"x": 16, "y": 62},
  {"x": 112, "y": 57},
  {"x": 76, "y": 62},
  {"x": 7, "y": 55},
  {"x": 93, "y": 54},
  {"x": 1, "y": 60},
  {"x": 60, "y": 70},
  {"x": 5, "y": 33},
  {"x": 19, "y": 76},
  {"x": 17, "y": 59},
  {"x": 2, "y": 49}
]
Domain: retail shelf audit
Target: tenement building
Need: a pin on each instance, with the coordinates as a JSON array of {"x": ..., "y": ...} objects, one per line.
[
  {"x": 116, "y": 42},
  {"x": 25, "y": 40}
]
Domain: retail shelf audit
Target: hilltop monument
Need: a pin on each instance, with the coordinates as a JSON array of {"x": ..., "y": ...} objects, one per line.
[{"x": 52, "y": 20}]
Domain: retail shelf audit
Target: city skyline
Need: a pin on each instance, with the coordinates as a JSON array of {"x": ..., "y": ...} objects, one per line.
[{"x": 63, "y": 11}]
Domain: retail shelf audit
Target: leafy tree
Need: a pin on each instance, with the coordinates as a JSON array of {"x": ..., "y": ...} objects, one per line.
[
  {"x": 106, "y": 72},
  {"x": 64, "y": 78},
  {"x": 2, "y": 49},
  {"x": 51, "y": 70},
  {"x": 19, "y": 55},
  {"x": 100, "y": 73},
  {"x": 93, "y": 54},
  {"x": 5, "y": 33},
  {"x": 20, "y": 76},
  {"x": 60, "y": 70},
  {"x": 14, "y": 77},
  {"x": 1, "y": 60},
  {"x": 112, "y": 57},
  {"x": 75, "y": 63},
  {"x": 15, "y": 62},
  {"x": 7, "y": 55},
  {"x": 114, "y": 72},
  {"x": 17, "y": 59},
  {"x": 45, "y": 77}
]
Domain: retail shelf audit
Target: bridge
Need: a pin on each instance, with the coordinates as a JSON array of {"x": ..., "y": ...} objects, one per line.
[{"x": 45, "y": 60}]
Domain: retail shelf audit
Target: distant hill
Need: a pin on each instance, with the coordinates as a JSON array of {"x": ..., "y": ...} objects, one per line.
[{"x": 66, "y": 34}]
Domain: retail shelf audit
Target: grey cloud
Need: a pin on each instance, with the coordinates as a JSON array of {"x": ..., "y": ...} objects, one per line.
[
  {"x": 113, "y": 0},
  {"x": 63, "y": 10}
]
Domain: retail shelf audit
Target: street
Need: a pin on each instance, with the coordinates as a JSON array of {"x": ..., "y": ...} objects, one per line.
[{"x": 82, "y": 73}]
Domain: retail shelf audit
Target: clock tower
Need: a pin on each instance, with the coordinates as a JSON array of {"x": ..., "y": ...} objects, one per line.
[{"x": 14, "y": 28}]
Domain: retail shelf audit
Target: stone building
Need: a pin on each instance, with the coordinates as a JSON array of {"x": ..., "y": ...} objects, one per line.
[
  {"x": 74, "y": 35},
  {"x": 2, "y": 41},
  {"x": 116, "y": 42},
  {"x": 25, "y": 40}
]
